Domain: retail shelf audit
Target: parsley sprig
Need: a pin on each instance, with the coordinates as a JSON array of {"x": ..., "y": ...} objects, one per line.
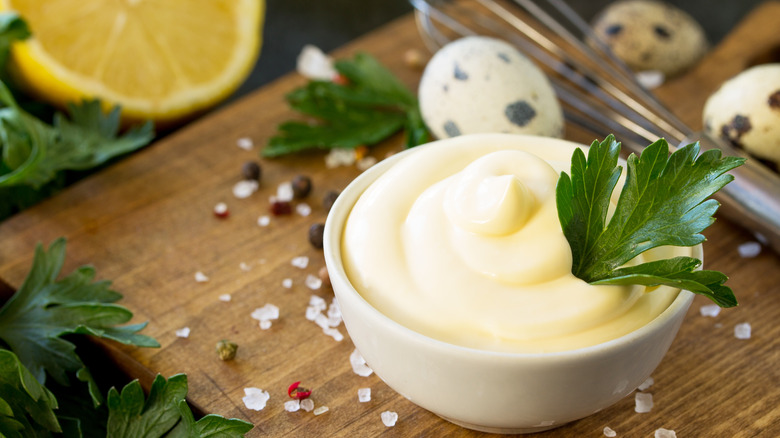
[
  {"x": 370, "y": 107},
  {"x": 663, "y": 202}
]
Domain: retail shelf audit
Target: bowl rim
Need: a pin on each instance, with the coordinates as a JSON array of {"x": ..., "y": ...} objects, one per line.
[{"x": 342, "y": 207}]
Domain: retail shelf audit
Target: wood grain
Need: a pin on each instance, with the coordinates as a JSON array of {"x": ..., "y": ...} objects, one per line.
[{"x": 147, "y": 224}]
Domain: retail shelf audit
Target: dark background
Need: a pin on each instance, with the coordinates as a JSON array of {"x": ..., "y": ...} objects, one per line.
[{"x": 328, "y": 24}]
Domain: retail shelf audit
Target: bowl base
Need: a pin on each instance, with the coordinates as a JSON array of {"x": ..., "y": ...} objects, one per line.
[{"x": 504, "y": 430}]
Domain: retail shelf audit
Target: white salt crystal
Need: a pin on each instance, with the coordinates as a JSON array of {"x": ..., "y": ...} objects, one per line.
[
  {"x": 365, "y": 163},
  {"x": 749, "y": 249},
  {"x": 643, "y": 402},
  {"x": 359, "y": 366},
  {"x": 364, "y": 395},
  {"x": 244, "y": 267},
  {"x": 664, "y": 433},
  {"x": 266, "y": 313},
  {"x": 307, "y": 405},
  {"x": 742, "y": 330},
  {"x": 650, "y": 79},
  {"x": 292, "y": 405},
  {"x": 312, "y": 312},
  {"x": 183, "y": 332},
  {"x": 320, "y": 410},
  {"x": 321, "y": 320},
  {"x": 201, "y": 277},
  {"x": 303, "y": 209},
  {"x": 245, "y": 143},
  {"x": 389, "y": 418},
  {"x": 265, "y": 324},
  {"x": 333, "y": 333},
  {"x": 646, "y": 384},
  {"x": 300, "y": 262},
  {"x": 313, "y": 282},
  {"x": 221, "y": 208},
  {"x": 312, "y": 63},
  {"x": 609, "y": 432},
  {"x": 712, "y": 310},
  {"x": 264, "y": 221},
  {"x": 287, "y": 283},
  {"x": 334, "y": 321},
  {"x": 318, "y": 303},
  {"x": 225, "y": 297},
  {"x": 339, "y": 157},
  {"x": 244, "y": 189},
  {"x": 284, "y": 192},
  {"x": 255, "y": 398}
]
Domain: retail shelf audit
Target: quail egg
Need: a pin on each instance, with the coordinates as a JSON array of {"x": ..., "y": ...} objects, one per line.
[
  {"x": 480, "y": 84},
  {"x": 745, "y": 111},
  {"x": 651, "y": 35}
]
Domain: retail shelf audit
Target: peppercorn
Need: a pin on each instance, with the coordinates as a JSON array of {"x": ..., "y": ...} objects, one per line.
[
  {"x": 329, "y": 199},
  {"x": 251, "y": 170},
  {"x": 226, "y": 349},
  {"x": 301, "y": 186},
  {"x": 315, "y": 235}
]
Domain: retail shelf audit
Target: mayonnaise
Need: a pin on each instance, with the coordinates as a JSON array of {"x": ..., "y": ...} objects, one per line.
[{"x": 460, "y": 241}]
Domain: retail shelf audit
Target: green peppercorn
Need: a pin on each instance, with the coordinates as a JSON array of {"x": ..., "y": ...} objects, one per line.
[{"x": 226, "y": 349}]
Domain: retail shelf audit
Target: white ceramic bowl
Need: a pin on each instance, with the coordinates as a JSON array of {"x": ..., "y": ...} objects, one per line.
[{"x": 485, "y": 390}]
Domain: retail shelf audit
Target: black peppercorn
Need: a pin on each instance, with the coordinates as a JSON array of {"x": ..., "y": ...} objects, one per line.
[
  {"x": 251, "y": 170},
  {"x": 329, "y": 199},
  {"x": 301, "y": 186},
  {"x": 315, "y": 235}
]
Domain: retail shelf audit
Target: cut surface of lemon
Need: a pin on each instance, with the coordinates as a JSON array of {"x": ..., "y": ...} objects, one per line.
[{"x": 158, "y": 59}]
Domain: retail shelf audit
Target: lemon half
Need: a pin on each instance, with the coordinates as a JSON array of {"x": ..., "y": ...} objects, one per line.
[{"x": 158, "y": 59}]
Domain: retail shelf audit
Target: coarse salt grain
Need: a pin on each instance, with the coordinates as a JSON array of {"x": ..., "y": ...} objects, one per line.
[
  {"x": 264, "y": 220},
  {"x": 221, "y": 209},
  {"x": 303, "y": 209},
  {"x": 365, "y": 163},
  {"x": 200, "y": 277},
  {"x": 312, "y": 312},
  {"x": 287, "y": 283},
  {"x": 664, "y": 433},
  {"x": 245, "y": 143},
  {"x": 339, "y": 157},
  {"x": 650, "y": 79},
  {"x": 244, "y": 267},
  {"x": 749, "y": 249},
  {"x": 389, "y": 418},
  {"x": 609, "y": 432},
  {"x": 244, "y": 189},
  {"x": 255, "y": 398},
  {"x": 742, "y": 330},
  {"x": 313, "y": 282},
  {"x": 307, "y": 405},
  {"x": 183, "y": 332},
  {"x": 359, "y": 366},
  {"x": 712, "y": 310},
  {"x": 643, "y": 402},
  {"x": 265, "y": 324},
  {"x": 320, "y": 410},
  {"x": 646, "y": 384},
  {"x": 364, "y": 395},
  {"x": 225, "y": 297},
  {"x": 333, "y": 333},
  {"x": 284, "y": 192},
  {"x": 266, "y": 313},
  {"x": 313, "y": 63},
  {"x": 300, "y": 262},
  {"x": 318, "y": 303},
  {"x": 292, "y": 405}
]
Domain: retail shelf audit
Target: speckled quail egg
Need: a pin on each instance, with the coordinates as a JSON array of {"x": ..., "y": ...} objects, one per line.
[
  {"x": 745, "y": 111},
  {"x": 479, "y": 84},
  {"x": 651, "y": 35}
]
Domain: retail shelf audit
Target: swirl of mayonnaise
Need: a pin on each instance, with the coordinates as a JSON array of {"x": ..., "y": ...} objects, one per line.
[{"x": 460, "y": 241}]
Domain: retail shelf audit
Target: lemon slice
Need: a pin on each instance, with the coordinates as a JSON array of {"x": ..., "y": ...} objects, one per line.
[{"x": 159, "y": 59}]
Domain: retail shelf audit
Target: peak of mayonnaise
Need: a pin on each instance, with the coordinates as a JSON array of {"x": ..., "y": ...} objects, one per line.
[{"x": 460, "y": 241}]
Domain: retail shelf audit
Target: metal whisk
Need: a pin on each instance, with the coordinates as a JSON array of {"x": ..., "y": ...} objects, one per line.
[{"x": 598, "y": 92}]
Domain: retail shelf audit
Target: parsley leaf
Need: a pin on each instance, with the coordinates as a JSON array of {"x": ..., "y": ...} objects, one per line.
[
  {"x": 26, "y": 406},
  {"x": 44, "y": 309},
  {"x": 663, "y": 202},
  {"x": 164, "y": 413},
  {"x": 373, "y": 105},
  {"x": 12, "y": 28}
]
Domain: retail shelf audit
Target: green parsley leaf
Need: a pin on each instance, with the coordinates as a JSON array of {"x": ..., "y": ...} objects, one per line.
[
  {"x": 26, "y": 406},
  {"x": 44, "y": 309},
  {"x": 12, "y": 28},
  {"x": 164, "y": 413},
  {"x": 663, "y": 202},
  {"x": 373, "y": 105}
]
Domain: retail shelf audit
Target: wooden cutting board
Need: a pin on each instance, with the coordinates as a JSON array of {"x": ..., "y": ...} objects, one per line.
[{"x": 147, "y": 223}]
